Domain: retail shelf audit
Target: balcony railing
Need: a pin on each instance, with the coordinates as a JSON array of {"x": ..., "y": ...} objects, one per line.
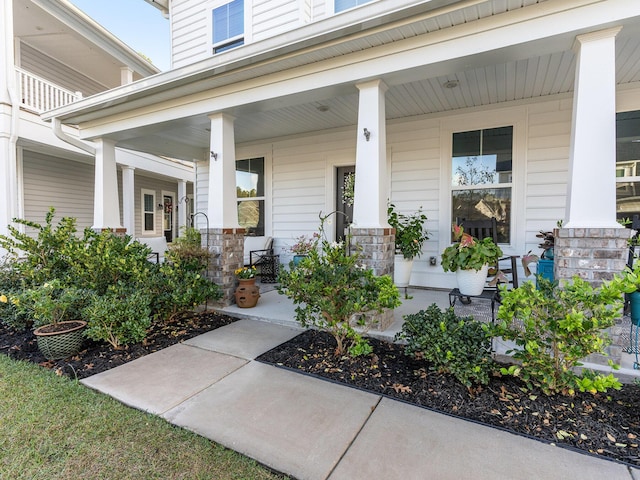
[{"x": 40, "y": 95}]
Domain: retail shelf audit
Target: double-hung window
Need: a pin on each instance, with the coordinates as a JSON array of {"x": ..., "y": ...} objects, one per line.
[
  {"x": 481, "y": 176},
  {"x": 148, "y": 211},
  {"x": 628, "y": 164},
  {"x": 341, "y": 5},
  {"x": 250, "y": 192},
  {"x": 227, "y": 23}
]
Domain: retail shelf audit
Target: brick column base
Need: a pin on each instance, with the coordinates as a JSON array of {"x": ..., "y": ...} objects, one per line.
[
  {"x": 594, "y": 254},
  {"x": 227, "y": 255},
  {"x": 376, "y": 247}
]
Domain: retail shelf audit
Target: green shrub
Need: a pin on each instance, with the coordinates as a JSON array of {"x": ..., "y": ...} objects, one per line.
[
  {"x": 459, "y": 346},
  {"x": 11, "y": 285},
  {"x": 187, "y": 251},
  {"x": 51, "y": 302},
  {"x": 333, "y": 289},
  {"x": 119, "y": 316},
  {"x": 555, "y": 328},
  {"x": 44, "y": 256}
]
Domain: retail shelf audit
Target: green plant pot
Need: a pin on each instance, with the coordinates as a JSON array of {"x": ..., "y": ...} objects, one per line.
[
  {"x": 58, "y": 344},
  {"x": 634, "y": 308},
  {"x": 297, "y": 259}
]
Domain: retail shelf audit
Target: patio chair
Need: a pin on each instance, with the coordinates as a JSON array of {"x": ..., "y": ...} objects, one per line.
[
  {"x": 506, "y": 268},
  {"x": 258, "y": 252}
]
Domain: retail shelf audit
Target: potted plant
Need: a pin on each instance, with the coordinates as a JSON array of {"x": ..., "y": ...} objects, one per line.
[
  {"x": 302, "y": 247},
  {"x": 54, "y": 308},
  {"x": 545, "y": 260},
  {"x": 410, "y": 236},
  {"x": 247, "y": 293},
  {"x": 470, "y": 258}
]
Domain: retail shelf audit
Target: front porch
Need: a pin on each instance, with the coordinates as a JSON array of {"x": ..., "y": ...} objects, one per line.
[{"x": 275, "y": 308}]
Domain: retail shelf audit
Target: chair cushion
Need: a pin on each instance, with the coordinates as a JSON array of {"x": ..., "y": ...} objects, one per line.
[{"x": 255, "y": 243}]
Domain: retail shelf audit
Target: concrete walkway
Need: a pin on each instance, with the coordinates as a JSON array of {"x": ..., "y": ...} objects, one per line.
[{"x": 314, "y": 429}]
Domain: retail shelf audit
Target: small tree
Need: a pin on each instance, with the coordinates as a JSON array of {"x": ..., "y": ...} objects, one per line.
[
  {"x": 556, "y": 327},
  {"x": 334, "y": 291}
]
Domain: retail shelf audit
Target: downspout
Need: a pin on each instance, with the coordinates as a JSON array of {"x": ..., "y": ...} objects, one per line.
[{"x": 76, "y": 142}]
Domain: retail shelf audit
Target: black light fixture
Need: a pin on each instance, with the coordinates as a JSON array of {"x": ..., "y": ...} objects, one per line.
[
  {"x": 214, "y": 155},
  {"x": 367, "y": 134}
]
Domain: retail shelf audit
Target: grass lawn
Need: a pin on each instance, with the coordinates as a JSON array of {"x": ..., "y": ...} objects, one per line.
[{"x": 55, "y": 428}]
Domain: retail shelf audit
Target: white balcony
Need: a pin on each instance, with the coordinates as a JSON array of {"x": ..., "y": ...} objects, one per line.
[{"x": 40, "y": 95}]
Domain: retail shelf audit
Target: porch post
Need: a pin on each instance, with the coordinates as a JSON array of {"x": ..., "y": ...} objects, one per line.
[
  {"x": 371, "y": 230},
  {"x": 225, "y": 235},
  {"x": 8, "y": 122},
  {"x": 182, "y": 204},
  {"x": 591, "y": 196},
  {"x": 106, "y": 206},
  {"x": 128, "y": 199},
  {"x": 592, "y": 245}
]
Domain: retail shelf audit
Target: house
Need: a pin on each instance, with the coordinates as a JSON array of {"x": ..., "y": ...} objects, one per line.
[
  {"x": 527, "y": 110},
  {"x": 54, "y": 55}
]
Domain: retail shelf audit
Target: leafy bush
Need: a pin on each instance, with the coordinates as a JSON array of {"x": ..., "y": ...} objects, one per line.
[
  {"x": 50, "y": 303},
  {"x": 119, "y": 316},
  {"x": 410, "y": 232},
  {"x": 187, "y": 251},
  {"x": 333, "y": 290},
  {"x": 555, "y": 328},
  {"x": 43, "y": 257},
  {"x": 459, "y": 346}
]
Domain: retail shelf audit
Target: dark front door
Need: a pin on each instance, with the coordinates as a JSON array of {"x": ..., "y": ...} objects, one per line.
[
  {"x": 344, "y": 203},
  {"x": 167, "y": 220}
]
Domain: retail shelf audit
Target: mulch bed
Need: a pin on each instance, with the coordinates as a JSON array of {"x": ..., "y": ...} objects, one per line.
[
  {"x": 99, "y": 357},
  {"x": 603, "y": 425}
]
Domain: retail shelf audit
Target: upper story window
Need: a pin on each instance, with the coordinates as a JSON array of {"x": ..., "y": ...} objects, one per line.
[
  {"x": 341, "y": 5},
  {"x": 227, "y": 24},
  {"x": 481, "y": 177}
]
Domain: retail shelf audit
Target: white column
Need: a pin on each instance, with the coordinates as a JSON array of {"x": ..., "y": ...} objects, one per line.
[
  {"x": 182, "y": 203},
  {"x": 591, "y": 193},
  {"x": 8, "y": 121},
  {"x": 371, "y": 184},
  {"x": 106, "y": 207},
  {"x": 126, "y": 75},
  {"x": 128, "y": 199},
  {"x": 222, "y": 207}
]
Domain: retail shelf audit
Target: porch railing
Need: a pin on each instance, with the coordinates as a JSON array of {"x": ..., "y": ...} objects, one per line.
[{"x": 40, "y": 95}]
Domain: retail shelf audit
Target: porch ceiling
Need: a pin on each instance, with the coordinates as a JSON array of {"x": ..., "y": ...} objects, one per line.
[{"x": 535, "y": 64}]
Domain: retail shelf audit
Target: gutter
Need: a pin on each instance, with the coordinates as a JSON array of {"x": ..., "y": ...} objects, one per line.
[{"x": 65, "y": 137}]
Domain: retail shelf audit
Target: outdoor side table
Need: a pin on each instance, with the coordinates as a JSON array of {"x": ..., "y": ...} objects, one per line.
[
  {"x": 269, "y": 268},
  {"x": 455, "y": 294}
]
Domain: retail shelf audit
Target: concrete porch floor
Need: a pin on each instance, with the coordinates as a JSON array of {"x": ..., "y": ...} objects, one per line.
[{"x": 275, "y": 308}]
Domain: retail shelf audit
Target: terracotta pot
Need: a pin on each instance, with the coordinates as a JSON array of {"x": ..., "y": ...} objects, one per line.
[
  {"x": 247, "y": 294},
  {"x": 247, "y": 281},
  {"x": 60, "y": 340}
]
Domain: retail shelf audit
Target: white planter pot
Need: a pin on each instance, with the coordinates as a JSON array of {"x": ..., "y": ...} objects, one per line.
[
  {"x": 471, "y": 282},
  {"x": 402, "y": 271}
]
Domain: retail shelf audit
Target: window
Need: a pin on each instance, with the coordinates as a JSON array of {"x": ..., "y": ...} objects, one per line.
[
  {"x": 227, "y": 22},
  {"x": 481, "y": 177},
  {"x": 250, "y": 192},
  {"x": 148, "y": 211},
  {"x": 341, "y": 5},
  {"x": 627, "y": 164}
]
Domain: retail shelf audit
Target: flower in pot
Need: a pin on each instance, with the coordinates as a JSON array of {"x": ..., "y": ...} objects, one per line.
[
  {"x": 303, "y": 246},
  {"x": 246, "y": 273},
  {"x": 468, "y": 256},
  {"x": 410, "y": 236},
  {"x": 54, "y": 308}
]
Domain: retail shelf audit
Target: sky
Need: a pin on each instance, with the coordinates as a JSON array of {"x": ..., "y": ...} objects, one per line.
[{"x": 138, "y": 24}]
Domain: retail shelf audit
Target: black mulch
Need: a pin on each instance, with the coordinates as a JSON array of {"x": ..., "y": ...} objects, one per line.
[
  {"x": 98, "y": 357},
  {"x": 603, "y": 425}
]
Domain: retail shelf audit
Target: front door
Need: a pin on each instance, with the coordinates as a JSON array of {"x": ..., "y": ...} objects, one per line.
[
  {"x": 344, "y": 203},
  {"x": 167, "y": 220}
]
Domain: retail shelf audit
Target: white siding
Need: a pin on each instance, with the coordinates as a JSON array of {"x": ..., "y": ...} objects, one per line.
[
  {"x": 56, "y": 182},
  {"x": 48, "y": 68},
  {"x": 189, "y": 34},
  {"x": 271, "y": 17}
]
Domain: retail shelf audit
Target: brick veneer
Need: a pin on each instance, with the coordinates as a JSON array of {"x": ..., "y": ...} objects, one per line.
[
  {"x": 376, "y": 250},
  {"x": 226, "y": 246},
  {"x": 595, "y": 254}
]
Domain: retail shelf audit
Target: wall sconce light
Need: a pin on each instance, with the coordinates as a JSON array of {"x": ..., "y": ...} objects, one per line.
[
  {"x": 367, "y": 134},
  {"x": 160, "y": 206},
  {"x": 214, "y": 155}
]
